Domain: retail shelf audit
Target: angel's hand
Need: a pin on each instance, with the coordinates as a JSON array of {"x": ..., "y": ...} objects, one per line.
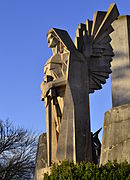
[{"x": 45, "y": 87}]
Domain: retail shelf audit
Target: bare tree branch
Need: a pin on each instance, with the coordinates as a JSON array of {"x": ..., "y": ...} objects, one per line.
[{"x": 17, "y": 152}]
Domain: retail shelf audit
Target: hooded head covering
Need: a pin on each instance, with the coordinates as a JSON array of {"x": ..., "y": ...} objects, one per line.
[{"x": 64, "y": 37}]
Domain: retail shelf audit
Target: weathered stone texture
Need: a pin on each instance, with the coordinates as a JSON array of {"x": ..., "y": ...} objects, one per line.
[
  {"x": 71, "y": 73},
  {"x": 116, "y": 135},
  {"x": 120, "y": 77},
  {"x": 41, "y": 159}
]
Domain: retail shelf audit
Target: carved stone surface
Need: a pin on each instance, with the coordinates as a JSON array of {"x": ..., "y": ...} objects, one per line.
[
  {"x": 116, "y": 135},
  {"x": 72, "y": 72},
  {"x": 120, "y": 77},
  {"x": 41, "y": 159},
  {"x": 116, "y": 131}
]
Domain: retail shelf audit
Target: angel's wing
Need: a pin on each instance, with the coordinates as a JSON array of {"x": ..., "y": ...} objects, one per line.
[{"x": 93, "y": 41}]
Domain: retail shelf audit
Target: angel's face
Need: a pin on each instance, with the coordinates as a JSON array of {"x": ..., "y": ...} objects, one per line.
[{"x": 52, "y": 41}]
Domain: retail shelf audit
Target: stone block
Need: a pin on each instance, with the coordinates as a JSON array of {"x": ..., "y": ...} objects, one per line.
[
  {"x": 41, "y": 158},
  {"x": 116, "y": 135}
]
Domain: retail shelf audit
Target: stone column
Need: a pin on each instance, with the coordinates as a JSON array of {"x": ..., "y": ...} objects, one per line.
[
  {"x": 120, "y": 77},
  {"x": 116, "y": 131}
]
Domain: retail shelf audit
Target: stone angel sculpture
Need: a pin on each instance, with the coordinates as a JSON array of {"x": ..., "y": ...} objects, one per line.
[{"x": 72, "y": 72}]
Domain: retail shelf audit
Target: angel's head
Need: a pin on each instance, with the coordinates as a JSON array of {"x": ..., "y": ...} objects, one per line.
[
  {"x": 52, "y": 40},
  {"x": 55, "y": 38}
]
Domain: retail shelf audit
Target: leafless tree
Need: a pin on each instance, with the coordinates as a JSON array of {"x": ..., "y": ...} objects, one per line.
[{"x": 17, "y": 152}]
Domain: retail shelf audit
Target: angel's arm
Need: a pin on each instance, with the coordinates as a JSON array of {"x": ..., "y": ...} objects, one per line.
[{"x": 46, "y": 86}]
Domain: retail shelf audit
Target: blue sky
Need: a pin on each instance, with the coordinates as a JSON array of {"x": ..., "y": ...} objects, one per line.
[{"x": 24, "y": 51}]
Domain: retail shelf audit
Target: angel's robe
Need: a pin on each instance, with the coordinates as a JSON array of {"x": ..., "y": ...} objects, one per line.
[{"x": 75, "y": 139}]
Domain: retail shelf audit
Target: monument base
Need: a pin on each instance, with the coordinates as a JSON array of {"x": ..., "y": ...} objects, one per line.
[
  {"x": 116, "y": 135},
  {"x": 41, "y": 159}
]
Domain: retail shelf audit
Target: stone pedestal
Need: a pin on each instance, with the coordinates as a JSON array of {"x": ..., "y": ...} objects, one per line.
[{"x": 116, "y": 135}]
